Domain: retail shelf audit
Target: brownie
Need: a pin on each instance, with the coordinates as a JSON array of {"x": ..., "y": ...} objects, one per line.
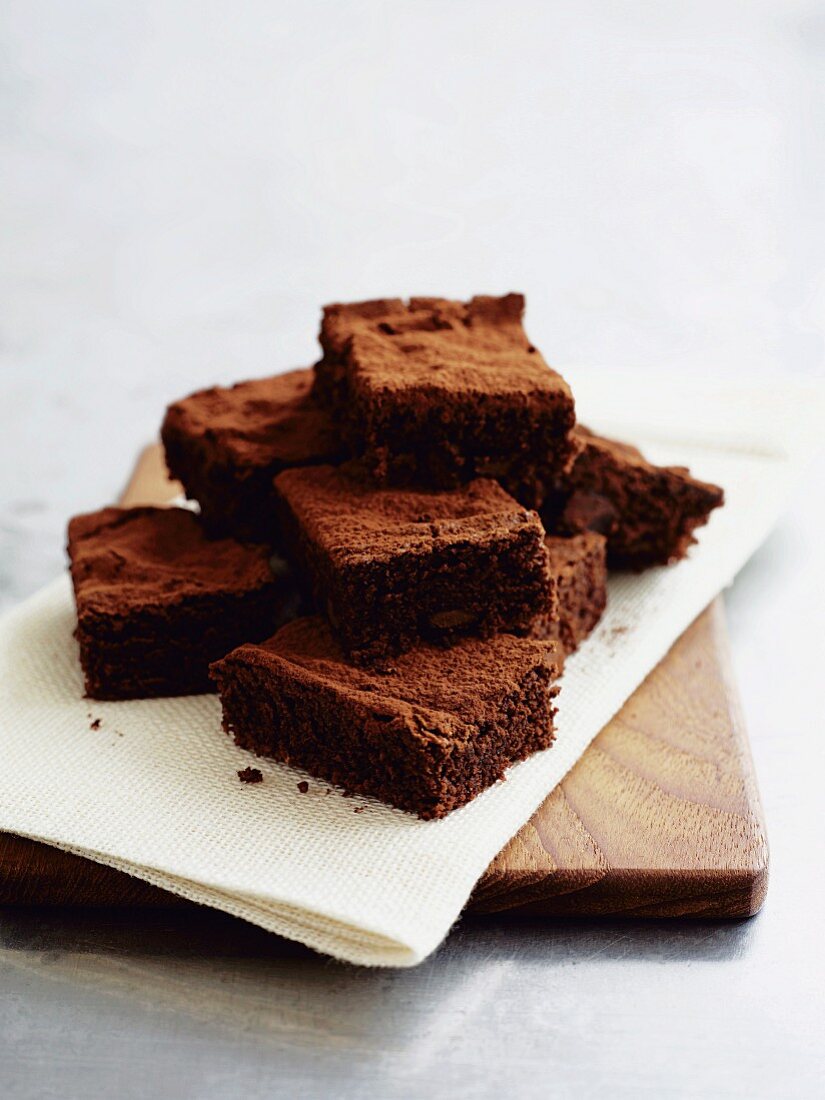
[
  {"x": 435, "y": 392},
  {"x": 578, "y": 566},
  {"x": 648, "y": 513},
  {"x": 157, "y": 601},
  {"x": 393, "y": 566},
  {"x": 426, "y": 735},
  {"x": 226, "y": 444}
]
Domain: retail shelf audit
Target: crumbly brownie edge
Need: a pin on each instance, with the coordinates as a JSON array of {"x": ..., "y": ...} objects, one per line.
[
  {"x": 419, "y": 597},
  {"x": 581, "y": 586},
  {"x": 649, "y": 513},
  {"x": 439, "y": 442},
  {"x": 233, "y": 502},
  {"x": 330, "y": 387},
  {"x": 237, "y": 498},
  {"x": 167, "y": 652},
  {"x": 366, "y": 745},
  {"x": 415, "y": 594}
]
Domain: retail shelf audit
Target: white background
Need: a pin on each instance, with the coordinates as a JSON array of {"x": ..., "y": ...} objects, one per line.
[{"x": 182, "y": 186}]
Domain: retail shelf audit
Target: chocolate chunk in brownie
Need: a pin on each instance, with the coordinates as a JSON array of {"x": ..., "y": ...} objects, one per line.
[
  {"x": 157, "y": 601},
  {"x": 435, "y": 392},
  {"x": 226, "y": 444},
  {"x": 392, "y": 566},
  {"x": 427, "y": 735},
  {"x": 578, "y": 566},
  {"x": 647, "y": 512}
]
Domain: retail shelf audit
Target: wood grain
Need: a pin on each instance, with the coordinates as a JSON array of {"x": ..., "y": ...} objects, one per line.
[{"x": 661, "y": 817}]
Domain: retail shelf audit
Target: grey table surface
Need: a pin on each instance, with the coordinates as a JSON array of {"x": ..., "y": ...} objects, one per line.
[{"x": 183, "y": 185}]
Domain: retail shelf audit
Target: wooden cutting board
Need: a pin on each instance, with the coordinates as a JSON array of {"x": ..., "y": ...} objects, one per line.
[{"x": 661, "y": 816}]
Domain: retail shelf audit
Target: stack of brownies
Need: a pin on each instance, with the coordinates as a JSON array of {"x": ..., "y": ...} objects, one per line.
[{"x": 394, "y": 552}]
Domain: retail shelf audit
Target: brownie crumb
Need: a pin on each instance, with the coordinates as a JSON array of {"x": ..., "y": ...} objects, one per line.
[
  {"x": 303, "y": 786},
  {"x": 95, "y": 725},
  {"x": 359, "y": 809},
  {"x": 250, "y": 775}
]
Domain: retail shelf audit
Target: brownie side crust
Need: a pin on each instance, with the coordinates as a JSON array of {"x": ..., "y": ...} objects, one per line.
[
  {"x": 157, "y": 602},
  {"x": 225, "y": 445},
  {"x": 426, "y": 735},
  {"x": 391, "y": 567},
  {"x": 435, "y": 392},
  {"x": 648, "y": 513},
  {"x": 579, "y": 567}
]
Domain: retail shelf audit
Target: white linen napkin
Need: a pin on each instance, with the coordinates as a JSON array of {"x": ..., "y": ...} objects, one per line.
[{"x": 154, "y": 790}]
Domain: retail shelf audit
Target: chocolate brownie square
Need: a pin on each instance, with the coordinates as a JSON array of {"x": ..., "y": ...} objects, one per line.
[
  {"x": 392, "y": 566},
  {"x": 426, "y": 735},
  {"x": 578, "y": 566},
  {"x": 226, "y": 444},
  {"x": 436, "y": 392},
  {"x": 647, "y": 512},
  {"x": 157, "y": 601}
]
